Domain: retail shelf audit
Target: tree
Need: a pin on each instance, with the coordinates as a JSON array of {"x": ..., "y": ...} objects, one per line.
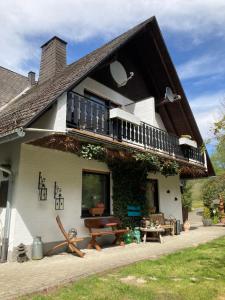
[
  {"x": 218, "y": 157},
  {"x": 187, "y": 195},
  {"x": 212, "y": 188}
]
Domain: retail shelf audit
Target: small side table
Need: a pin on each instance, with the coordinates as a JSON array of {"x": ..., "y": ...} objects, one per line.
[{"x": 157, "y": 231}]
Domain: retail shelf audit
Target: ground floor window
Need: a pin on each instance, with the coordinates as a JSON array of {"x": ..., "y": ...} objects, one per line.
[
  {"x": 95, "y": 190},
  {"x": 152, "y": 195}
]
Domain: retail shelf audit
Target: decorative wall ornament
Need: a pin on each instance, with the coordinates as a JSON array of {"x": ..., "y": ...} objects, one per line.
[
  {"x": 59, "y": 200},
  {"x": 43, "y": 191}
]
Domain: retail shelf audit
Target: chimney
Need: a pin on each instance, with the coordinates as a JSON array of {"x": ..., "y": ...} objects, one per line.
[
  {"x": 53, "y": 58},
  {"x": 31, "y": 78}
]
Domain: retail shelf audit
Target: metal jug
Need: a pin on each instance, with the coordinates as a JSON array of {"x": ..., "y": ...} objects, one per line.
[{"x": 37, "y": 248}]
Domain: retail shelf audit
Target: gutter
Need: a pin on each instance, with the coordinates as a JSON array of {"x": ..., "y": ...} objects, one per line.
[
  {"x": 5, "y": 239},
  {"x": 16, "y": 134},
  {"x": 21, "y": 132}
]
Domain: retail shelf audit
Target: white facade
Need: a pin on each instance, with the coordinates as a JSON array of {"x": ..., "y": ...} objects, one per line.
[{"x": 31, "y": 217}]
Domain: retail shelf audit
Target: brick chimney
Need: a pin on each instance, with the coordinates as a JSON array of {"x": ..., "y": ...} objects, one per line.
[
  {"x": 53, "y": 58},
  {"x": 31, "y": 78}
]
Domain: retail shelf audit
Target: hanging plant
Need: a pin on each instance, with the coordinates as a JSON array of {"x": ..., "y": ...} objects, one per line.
[
  {"x": 91, "y": 151},
  {"x": 169, "y": 168},
  {"x": 150, "y": 161}
]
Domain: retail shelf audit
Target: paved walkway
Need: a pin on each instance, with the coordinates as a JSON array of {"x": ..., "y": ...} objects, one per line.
[{"x": 19, "y": 279}]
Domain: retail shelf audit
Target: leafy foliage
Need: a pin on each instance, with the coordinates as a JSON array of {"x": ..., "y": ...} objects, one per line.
[
  {"x": 129, "y": 174},
  {"x": 129, "y": 187},
  {"x": 212, "y": 188},
  {"x": 218, "y": 157},
  {"x": 151, "y": 162},
  {"x": 187, "y": 195},
  {"x": 169, "y": 168},
  {"x": 90, "y": 151},
  {"x": 206, "y": 213}
]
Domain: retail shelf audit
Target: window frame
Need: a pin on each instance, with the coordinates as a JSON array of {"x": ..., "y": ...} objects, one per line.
[{"x": 85, "y": 212}]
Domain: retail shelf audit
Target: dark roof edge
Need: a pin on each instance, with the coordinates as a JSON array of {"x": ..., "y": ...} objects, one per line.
[{"x": 54, "y": 38}]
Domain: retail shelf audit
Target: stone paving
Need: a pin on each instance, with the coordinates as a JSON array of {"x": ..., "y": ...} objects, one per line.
[{"x": 20, "y": 279}]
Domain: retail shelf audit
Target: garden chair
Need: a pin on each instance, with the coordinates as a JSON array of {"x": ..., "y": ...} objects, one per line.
[{"x": 69, "y": 242}]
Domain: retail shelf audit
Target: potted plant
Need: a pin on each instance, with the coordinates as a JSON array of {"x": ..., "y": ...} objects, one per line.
[
  {"x": 98, "y": 210},
  {"x": 206, "y": 218}
]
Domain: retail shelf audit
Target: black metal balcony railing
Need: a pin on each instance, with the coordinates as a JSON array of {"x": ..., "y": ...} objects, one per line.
[{"x": 88, "y": 114}]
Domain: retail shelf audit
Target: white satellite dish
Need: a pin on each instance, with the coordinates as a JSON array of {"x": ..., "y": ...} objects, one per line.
[
  {"x": 119, "y": 73},
  {"x": 170, "y": 96}
]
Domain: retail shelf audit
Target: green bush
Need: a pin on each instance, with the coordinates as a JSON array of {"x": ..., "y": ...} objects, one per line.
[
  {"x": 187, "y": 196},
  {"x": 212, "y": 188},
  {"x": 206, "y": 213}
]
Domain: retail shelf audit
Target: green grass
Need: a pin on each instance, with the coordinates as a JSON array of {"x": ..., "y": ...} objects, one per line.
[
  {"x": 194, "y": 273},
  {"x": 196, "y": 186}
]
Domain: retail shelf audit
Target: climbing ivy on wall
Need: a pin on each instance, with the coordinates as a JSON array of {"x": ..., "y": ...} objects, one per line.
[
  {"x": 129, "y": 173},
  {"x": 129, "y": 187}
]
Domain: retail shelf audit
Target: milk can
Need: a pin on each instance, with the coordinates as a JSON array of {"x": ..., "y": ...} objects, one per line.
[{"x": 37, "y": 248}]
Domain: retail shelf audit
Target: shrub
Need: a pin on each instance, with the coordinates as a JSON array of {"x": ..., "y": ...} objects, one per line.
[
  {"x": 206, "y": 213},
  {"x": 186, "y": 196},
  {"x": 212, "y": 188}
]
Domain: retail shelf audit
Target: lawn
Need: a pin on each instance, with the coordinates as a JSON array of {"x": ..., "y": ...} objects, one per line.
[
  {"x": 194, "y": 273},
  {"x": 196, "y": 186}
]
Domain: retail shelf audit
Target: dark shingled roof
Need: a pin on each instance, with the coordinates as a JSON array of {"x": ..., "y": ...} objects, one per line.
[
  {"x": 11, "y": 85},
  {"x": 28, "y": 107}
]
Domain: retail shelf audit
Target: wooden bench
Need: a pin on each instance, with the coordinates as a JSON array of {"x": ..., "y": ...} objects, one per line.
[
  {"x": 104, "y": 226},
  {"x": 167, "y": 224}
]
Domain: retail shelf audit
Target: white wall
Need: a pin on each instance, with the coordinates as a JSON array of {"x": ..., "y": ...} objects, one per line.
[
  {"x": 34, "y": 217},
  {"x": 167, "y": 202},
  {"x": 55, "y": 117},
  {"x": 101, "y": 90},
  {"x": 158, "y": 122},
  {"x": 144, "y": 109}
]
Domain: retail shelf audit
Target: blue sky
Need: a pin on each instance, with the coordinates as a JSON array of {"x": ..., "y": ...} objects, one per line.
[{"x": 193, "y": 30}]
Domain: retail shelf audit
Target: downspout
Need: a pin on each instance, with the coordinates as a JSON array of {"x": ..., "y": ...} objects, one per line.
[{"x": 5, "y": 240}]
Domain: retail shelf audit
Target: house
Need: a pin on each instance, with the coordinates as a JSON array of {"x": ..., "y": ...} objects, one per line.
[{"x": 123, "y": 101}]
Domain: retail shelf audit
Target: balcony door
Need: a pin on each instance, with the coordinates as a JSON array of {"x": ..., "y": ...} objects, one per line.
[{"x": 152, "y": 195}]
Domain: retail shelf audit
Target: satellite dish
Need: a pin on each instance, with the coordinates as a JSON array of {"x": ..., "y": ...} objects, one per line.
[
  {"x": 119, "y": 73},
  {"x": 170, "y": 96}
]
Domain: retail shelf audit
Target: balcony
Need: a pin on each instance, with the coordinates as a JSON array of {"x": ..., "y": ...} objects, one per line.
[{"x": 87, "y": 114}]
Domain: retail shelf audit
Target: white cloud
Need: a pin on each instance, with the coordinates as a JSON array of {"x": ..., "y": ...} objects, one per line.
[
  {"x": 207, "y": 110},
  {"x": 205, "y": 65},
  {"x": 75, "y": 20}
]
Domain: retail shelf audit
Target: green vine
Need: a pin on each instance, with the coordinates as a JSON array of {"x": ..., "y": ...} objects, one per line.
[
  {"x": 151, "y": 162},
  {"x": 91, "y": 151},
  {"x": 169, "y": 168},
  {"x": 129, "y": 188},
  {"x": 129, "y": 174}
]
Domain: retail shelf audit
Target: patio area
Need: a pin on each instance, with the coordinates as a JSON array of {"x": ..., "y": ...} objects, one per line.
[{"x": 20, "y": 279}]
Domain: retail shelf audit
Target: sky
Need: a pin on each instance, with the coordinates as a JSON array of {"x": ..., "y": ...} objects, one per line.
[{"x": 194, "y": 32}]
